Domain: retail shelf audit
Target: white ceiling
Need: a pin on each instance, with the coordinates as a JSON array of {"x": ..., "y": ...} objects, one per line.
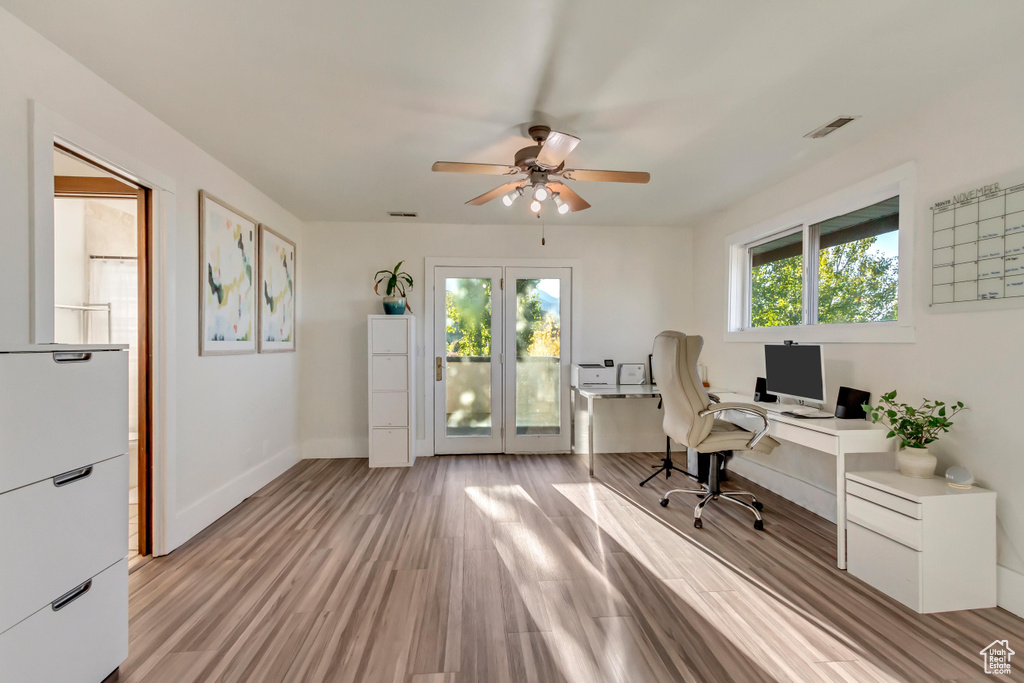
[{"x": 337, "y": 109}]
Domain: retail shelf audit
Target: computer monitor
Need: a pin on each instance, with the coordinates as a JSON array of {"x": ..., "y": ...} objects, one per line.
[{"x": 795, "y": 371}]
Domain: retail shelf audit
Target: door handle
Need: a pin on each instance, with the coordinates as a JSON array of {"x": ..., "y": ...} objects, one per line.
[{"x": 438, "y": 368}]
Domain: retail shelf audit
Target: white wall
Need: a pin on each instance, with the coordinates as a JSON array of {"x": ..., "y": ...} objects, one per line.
[
  {"x": 970, "y": 137},
  {"x": 634, "y": 282},
  {"x": 235, "y": 418}
]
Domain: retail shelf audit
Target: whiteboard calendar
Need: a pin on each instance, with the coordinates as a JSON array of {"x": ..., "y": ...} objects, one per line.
[{"x": 978, "y": 245}]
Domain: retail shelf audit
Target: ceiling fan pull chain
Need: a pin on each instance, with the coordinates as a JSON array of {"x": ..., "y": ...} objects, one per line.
[{"x": 543, "y": 229}]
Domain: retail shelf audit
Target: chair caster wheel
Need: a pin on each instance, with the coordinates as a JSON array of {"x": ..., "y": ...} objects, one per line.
[
  {"x": 758, "y": 505},
  {"x": 759, "y": 525},
  {"x": 664, "y": 502},
  {"x": 698, "y": 524}
]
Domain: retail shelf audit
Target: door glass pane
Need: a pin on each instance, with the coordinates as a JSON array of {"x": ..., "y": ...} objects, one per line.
[
  {"x": 777, "y": 282},
  {"x": 468, "y": 349},
  {"x": 538, "y": 356}
]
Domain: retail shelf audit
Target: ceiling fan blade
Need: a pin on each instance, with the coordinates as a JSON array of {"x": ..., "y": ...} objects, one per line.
[
  {"x": 496, "y": 192},
  {"x": 557, "y": 146},
  {"x": 575, "y": 202},
  {"x": 484, "y": 169},
  {"x": 607, "y": 176}
]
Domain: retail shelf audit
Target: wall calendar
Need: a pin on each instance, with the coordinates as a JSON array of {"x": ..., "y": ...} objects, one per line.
[{"x": 978, "y": 245}]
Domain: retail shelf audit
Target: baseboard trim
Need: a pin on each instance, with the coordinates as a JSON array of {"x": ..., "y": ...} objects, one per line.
[
  {"x": 211, "y": 507},
  {"x": 808, "y": 496},
  {"x": 330, "y": 449},
  {"x": 1010, "y": 590}
]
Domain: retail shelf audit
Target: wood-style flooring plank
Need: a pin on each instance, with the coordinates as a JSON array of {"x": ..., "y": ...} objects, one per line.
[{"x": 513, "y": 568}]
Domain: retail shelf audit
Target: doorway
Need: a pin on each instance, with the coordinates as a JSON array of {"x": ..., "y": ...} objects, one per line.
[
  {"x": 102, "y": 228},
  {"x": 501, "y": 359}
]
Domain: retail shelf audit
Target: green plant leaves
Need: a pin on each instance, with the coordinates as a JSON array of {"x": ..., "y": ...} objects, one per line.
[{"x": 916, "y": 427}]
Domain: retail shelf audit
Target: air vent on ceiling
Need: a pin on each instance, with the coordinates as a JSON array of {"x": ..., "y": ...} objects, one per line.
[
  {"x": 403, "y": 214},
  {"x": 830, "y": 127}
]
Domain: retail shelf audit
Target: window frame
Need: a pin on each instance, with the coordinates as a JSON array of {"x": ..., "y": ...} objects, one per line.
[{"x": 900, "y": 181}]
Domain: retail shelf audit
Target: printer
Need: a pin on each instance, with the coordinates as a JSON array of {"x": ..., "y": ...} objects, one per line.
[{"x": 592, "y": 375}]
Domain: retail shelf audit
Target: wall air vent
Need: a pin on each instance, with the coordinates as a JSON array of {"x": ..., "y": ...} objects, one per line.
[
  {"x": 403, "y": 214},
  {"x": 830, "y": 127}
]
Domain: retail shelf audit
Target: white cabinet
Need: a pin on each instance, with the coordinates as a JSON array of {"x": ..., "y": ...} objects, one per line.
[
  {"x": 922, "y": 542},
  {"x": 63, "y": 512},
  {"x": 391, "y": 342}
]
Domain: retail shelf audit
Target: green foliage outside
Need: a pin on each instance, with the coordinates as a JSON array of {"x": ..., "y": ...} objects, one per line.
[
  {"x": 853, "y": 286},
  {"x": 468, "y": 311}
]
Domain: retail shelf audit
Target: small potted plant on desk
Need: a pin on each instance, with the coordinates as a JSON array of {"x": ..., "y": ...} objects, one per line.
[
  {"x": 916, "y": 428},
  {"x": 394, "y": 292}
]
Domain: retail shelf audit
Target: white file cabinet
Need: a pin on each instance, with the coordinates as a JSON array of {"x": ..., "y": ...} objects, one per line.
[
  {"x": 63, "y": 513},
  {"x": 391, "y": 343},
  {"x": 922, "y": 542}
]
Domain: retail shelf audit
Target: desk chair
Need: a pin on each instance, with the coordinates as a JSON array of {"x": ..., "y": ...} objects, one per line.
[{"x": 690, "y": 420}]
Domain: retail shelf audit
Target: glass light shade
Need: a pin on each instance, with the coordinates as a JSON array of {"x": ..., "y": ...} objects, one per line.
[
  {"x": 540, "y": 192},
  {"x": 515, "y": 194},
  {"x": 563, "y": 208},
  {"x": 535, "y": 206}
]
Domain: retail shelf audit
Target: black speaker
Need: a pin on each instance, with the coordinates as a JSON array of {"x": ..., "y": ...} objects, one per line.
[
  {"x": 761, "y": 394},
  {"x": 850, "y": 403}
]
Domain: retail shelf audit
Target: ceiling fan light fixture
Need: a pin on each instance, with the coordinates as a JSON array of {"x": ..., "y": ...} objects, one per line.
[
  {"x": 535, "y": 206},
  {"x": 540, "y": 192},
  {"x": 515, "y": 194},
  {"x": 563, "y": 208}
]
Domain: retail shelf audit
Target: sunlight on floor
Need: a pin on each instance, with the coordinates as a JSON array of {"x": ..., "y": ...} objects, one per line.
[{"x": 785, "y": 640}]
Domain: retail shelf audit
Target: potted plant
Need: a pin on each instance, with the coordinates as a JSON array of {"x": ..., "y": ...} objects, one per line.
[
  {"x": 916, "y": 428},
  {"x": 394, "y": 293}
]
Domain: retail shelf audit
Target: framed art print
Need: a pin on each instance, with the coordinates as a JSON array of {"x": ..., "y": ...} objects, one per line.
[
  {"x": 227, "y": 279},
  {"x": 276, "y": 292}
]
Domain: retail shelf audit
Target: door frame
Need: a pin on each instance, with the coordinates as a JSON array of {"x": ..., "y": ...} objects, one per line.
[
  {"x": 47, "y": 128},
  {"x": 425, "y": 392},
  {"x": 122, "y": 188}
]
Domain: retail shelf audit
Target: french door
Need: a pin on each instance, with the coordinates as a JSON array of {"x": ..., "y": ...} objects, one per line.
[{"x": 501, "y": 369}]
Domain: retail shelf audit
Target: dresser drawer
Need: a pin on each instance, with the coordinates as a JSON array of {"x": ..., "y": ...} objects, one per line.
[
  {"x": 390, "y": 373},
  {"x": 389, "y": 335},
  {"x": 390, "y": 409},
  {"x": 889, "y": 523},
  {"x": 59, "y": 416},
  {"x": 54, "y": 537},
  {"x": 884, "y": 498},
  {"x": 81, "y": 642},
  {"x": 389, "y": 447},
  {"x": 884, "y": 564}
]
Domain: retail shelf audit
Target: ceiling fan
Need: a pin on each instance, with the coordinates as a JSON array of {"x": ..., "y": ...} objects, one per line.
[{"x": 544, "y": 166}]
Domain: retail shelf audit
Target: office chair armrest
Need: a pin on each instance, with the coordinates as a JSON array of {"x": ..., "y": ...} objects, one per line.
[
  {"x": 714, "y": 397},
  {"x": 742, "y": 408}
]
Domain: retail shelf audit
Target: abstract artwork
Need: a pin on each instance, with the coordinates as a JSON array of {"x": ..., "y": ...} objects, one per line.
[
  {"x": 227, "y": 279},
  {"x": 276, "y": 292}
]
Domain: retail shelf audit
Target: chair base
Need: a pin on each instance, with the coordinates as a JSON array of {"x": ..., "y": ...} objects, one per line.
[{"x": 712, "y": 491}]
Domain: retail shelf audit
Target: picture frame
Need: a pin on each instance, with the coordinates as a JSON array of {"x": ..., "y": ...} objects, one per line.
[
  {"x": 228, "y": 269},
  {"x": 277, "y": 292}
]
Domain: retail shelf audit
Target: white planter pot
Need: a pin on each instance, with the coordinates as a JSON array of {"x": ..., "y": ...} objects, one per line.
[{"x": 916, "y": 462}]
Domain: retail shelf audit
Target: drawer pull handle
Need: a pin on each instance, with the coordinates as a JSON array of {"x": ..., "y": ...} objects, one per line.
[
  {"x": 72, "y": 356},
  {"x": 69, "y": 597},
  {"x": 72, "y": 476}
]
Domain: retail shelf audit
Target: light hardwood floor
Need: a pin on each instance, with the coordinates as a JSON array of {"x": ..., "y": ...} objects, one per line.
[{"x": 480, "y": 569}]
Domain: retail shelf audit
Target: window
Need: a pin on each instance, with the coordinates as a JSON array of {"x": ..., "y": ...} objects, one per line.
[{"x": 844, "y": 269}]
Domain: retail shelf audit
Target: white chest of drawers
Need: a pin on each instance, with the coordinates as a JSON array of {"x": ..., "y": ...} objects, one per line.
[
  {"x": 391, "y": 343},
  {"x": 63, "y": 513},
  {"x": 921, "y": 541}
]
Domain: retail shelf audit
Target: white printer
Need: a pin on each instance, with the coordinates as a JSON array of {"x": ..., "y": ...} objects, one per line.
[{"x": 592, "y": 375}]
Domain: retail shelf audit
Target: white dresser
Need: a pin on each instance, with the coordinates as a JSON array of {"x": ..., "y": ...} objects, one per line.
[
  {"x": 391, "y": 343},
  {"x": 921, "y": 541},
  {"x": 63, "y": 513}
]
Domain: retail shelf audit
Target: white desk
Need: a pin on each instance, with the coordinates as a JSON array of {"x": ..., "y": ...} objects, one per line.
[
  {"x": 594, "y": 393},
  {"x": 832, "y": 435}
]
